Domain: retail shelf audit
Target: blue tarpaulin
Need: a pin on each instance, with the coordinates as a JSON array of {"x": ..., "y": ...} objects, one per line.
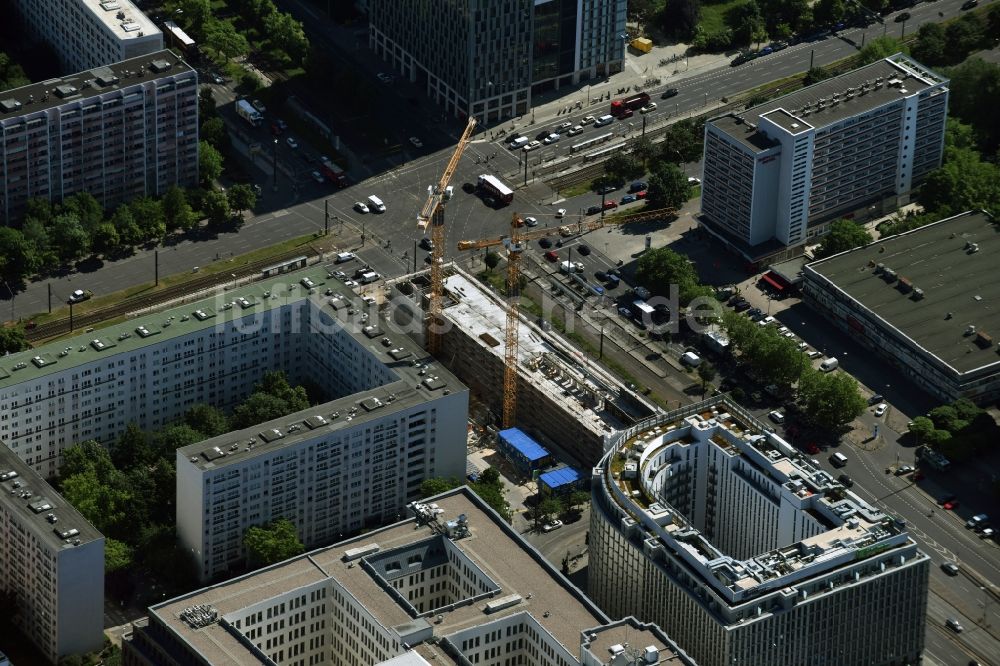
[
  {"x": 564, "y": 478},
  {"x": 522, "y": 450}
]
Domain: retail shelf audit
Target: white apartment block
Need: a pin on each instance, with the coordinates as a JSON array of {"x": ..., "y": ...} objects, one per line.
[
  {"x": 153, "y": 368},
  {"x": 488, "y": 57},
  {"x": 455, "y": 585},
  {"x": 51, "y": 564},
  {"x": 746, "y": 553},
  {"x": 118, "y": 132},
  {"x": 91, "y": 33},
  {"x": 853, "y": 147}
]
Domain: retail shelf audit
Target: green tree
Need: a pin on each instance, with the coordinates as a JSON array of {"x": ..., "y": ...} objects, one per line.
[
  {"x": 746, "y": 22},
  {"x": 437, "y": 485},
  {"x": 209, "y": 163},
  {"x": 18, "y": 258},
  {"x": 215, "y": 206},
  {"x": 879, "y": 49},
  {"x": 257, "y": 408},
  {"x": 644, "y": 151},
  {"x": 937, "y": 439},
  {"x": 105, "y": 502},
  {"x": 177, "y": 213},
  {"x": 683, "y": 141},
  {"x": 993, "y": 23},
  {"x": 493, "y": 495},
  {"x": 37, "y": 235},
  {"x": 815, "y": 75},
  {"x": 963, "y": 182},
  {"x": 225, "y": 40},
  {"x": 974, "y": 94},
  {"x": 132, "y": 449},
  {"x": 287, "y": 38},
  {"x": 105, "y": 239},
  {"x": 679, "y": 18},
  {"x": 946, "y": 417},
  {"x": 148, "y": 215},
  {"x": 577, "y": 499},
  {"x": 843, "y": 235},
  {"x": 830, "y": 400},
  {"x": 12, "y": 340},
  {"x": 492, "y": 260},
  {"x": 195, "y": 15},
  {"x": 167, "y": 440},
  {"x": 668, "y": 187},
  {"x": 706, "y": 373},
  {"x": 11, "y": 74},
  {"x": 826, "y": 12},
  {"x": 117, "y": 556},
  {"x": 241, "y": 197},
  {"x": 660, "y": 268},
  {"x": 272, "y": 543},
  {"x": 491, "y": 477},
  {"x": 214, "y": 132},
  {"x": 129, "y": 234},
  {"x": 548, "y": 508},
  {"x": 84, "y": 456},
  {"x": 966, "y": 35},
  {"x": 206, "y": 104},
  {"x": 921, "y": 426},
  {"x": 623, "y": 166},
  {"x": 68, "y": 237},
  {"x": 86, "y": 209},
  {"x": 931, "y": 47},
  {"x": 275, "y": 383},
  {"x": 208, "y": 420}
]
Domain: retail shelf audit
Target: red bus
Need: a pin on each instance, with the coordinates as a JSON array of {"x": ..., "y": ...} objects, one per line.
[
  {"x": 496, "y": 187},
  {"x": 633, "y": 103}
]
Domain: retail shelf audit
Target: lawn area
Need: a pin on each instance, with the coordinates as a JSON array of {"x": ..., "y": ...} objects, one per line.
[
  {"x": 577, "y": 190},
  {"x": 713, "y": 15}
]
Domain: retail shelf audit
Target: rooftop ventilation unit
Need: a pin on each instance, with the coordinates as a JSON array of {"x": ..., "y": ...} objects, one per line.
[
  {"x": 973, "y": 248},
  {"x": 917, "y": 294},
  {"x": 970, "y": 330},
  {"x": 983, "y": 340}
]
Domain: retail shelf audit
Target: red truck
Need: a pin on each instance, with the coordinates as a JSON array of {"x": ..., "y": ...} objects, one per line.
[
  {"x": 334, "y": 173},
  {"x": 633, "y": 103}
]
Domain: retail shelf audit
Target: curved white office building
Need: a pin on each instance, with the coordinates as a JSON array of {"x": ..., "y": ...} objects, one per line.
[{"x": 717, "y": 530}]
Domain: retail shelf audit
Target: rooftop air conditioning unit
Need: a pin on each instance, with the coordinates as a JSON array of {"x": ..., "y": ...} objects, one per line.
[{"x": 971, "y": 330}]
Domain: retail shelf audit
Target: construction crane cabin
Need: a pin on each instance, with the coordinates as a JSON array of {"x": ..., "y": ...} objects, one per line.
[{"x": 432, "y": 215}]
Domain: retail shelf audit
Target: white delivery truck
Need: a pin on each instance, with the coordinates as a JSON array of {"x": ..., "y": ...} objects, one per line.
[
  {"x": 246, "y": 111},
  {"x": 829, "y": 365}
]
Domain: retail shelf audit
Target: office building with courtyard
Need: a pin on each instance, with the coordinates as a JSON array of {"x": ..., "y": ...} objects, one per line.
[
  {"x": 118, "y": 131},
  {"x": 711, "y": 526},
  {"x": 91, "y": 33},
  {"x": 487, "y": 58},
  {"x": 922, "y": 301},
  {"x": 852, "y": 146},
  {"x": 452, "y": 584},
  {"x": 51, "y": 565}
]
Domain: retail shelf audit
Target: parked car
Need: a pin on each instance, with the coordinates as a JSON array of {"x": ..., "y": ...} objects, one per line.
[
  {"x": 608, "y": 205},
  {"x": 649, "y": 107},
  {"x": 317, "y": 176},
  {"x": 259, "y": 105},
  {"x": 951, "y": 505},
  {"x": 383, "y": 77},
  {"x": 954, "y": 625},
  {"x": 741, "y": 306},
  {"x": 875, "y": 399},
  {"x": 668, "y": 93},
  {"x": 584, "y": 250},
  {"x": 361, "y": 207},
  {"x": 903, "y": 16},
  {"x": 779, "y": 45},
  {"x": 531, "y": 221},
  {"x": 417, "y": 143},
  {"x": 593, "y": 210},
  {"x": 969, "y": 4},
  {"x": 845, "y": 480},
  {"x": 561, "y": 213},
  {"x": 573, "y": 131},
  {"x": 767, "y": 50},
  {"x": 977, "y": 521},
  {"x": 637, "y": 186},
  {"x": 551, "y": 138},
  {"x": 641, "y": 194},
  {"x": 531, "y": 146},
  {"x": 694, "y": 181},
  {"x": 776, "y": 416},
  {"x": 292, "y": 143},
  {"x": 554, "y": 525},
  {"x": 605, "y": 189},
  {"x": 552, "y": 255},
  {"x": 881, "y": 409},
  {"x": 903, "y": 470},
  {"x": 628, "y": 198}
]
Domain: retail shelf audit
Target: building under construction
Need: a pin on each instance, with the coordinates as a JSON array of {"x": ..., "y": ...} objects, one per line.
[{"x": 564, "y": 399}]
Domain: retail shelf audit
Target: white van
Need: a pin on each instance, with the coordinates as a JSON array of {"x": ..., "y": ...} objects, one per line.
[
  {"x": 518, "y": 142},
  {"x": 829, "y": 364},
  {"x": 369, "y": 277},
  {"x": 838, "y": 459},
  {"x": 344, "y": 256},
  {"x": 690, "y": 358},
  {"x": 604, "y": 120},
  {"x": 376, "y": 204}
]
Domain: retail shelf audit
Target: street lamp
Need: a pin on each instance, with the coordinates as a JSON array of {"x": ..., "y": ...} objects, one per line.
[{"x": 274, "y": 165}]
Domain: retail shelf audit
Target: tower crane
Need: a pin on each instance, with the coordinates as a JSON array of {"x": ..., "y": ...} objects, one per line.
[
  {"x": 515, "y": 244},
  {"x": 433, "y": 214}
]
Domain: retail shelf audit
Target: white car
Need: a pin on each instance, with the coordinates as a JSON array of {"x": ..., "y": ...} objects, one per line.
[
  {"x": 554, "y": 525},
  {"x": 417, "y": 143},
  {"x": 561, "y": 213},
  {"x": 361, "y": 206},
  {"x": 317, "y": 176},
  {"x": 531, "y": 146},
  {"x": 383, "y": 77},
  {"x": 78, "y": 295},
  {"x": 292, "y": 143},
  {"x": 588, "y": 120},
  {"x": 531, "y": 221},
  {"x": 573, "y": 131},
  {"x": 694, "y": 181},
  {"x": 776, "y": 416},
  {"x": 551, "y": 138},
  {"x": 571, "y": 267},
  {"x": 564, "y": 126},
  {"x": 881, "y": 409},
  {"x": 649, "y": 107}
]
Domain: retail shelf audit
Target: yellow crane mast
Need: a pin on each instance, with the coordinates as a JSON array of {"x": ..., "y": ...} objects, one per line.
[
  {"x": 433, "y": 214},
  {"x": 515, "y": 245}
]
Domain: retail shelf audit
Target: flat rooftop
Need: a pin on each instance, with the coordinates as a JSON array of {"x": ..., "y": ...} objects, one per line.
[
  {"x": 957, "y": 287},
  {"x": 122, "y": 18},
  {"x": 850, "y": 524},
  {"x": 26, "y": 494},
  {"x": 493, "y": 546},
  {"x": 77, "y": 87},
  {"x": 857, "y": 92},
  {"x": 225, "y": 306},
  {"x": 562, "y": 378}
]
